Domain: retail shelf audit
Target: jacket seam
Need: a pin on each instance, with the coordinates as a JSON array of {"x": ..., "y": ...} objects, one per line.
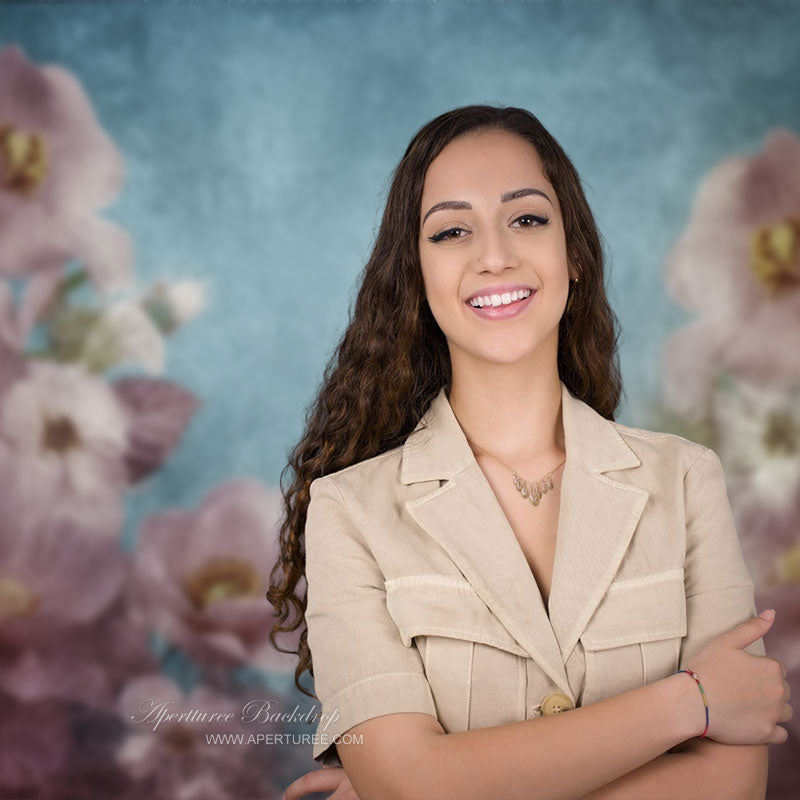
[
  {"x": 699, "y": 456},
  {"x": 749, "y": 586},
  {"x": 372, "y": 678}
]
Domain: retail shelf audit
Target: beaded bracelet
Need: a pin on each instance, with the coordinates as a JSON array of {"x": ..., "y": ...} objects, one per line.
[{"x": 694, "y": 675}]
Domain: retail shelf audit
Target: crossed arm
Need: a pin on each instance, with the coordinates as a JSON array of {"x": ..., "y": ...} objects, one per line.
[
  {"x": 696, "y": 769},
  {"x": 614, "y": 749}
]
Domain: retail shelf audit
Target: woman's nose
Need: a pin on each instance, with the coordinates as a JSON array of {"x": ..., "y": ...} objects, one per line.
[{"x": 494, "y": 250}]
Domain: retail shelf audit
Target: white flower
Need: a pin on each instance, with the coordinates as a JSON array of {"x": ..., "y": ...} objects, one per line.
[
  {"x": 174, "y": 304},
  {"x": 63, "y": 436},
  {"x": 759, "y": 431},
  {"x": 124, "y": 334}
]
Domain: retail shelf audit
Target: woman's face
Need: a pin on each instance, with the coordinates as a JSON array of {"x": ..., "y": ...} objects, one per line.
[{"x": 498, "y": 229}]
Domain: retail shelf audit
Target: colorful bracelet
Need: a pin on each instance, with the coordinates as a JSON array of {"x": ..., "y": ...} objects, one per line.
[{"x": 691, "y": 673}]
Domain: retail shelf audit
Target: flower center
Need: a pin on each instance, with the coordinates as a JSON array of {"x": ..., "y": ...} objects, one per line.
[
  {"x": 59, "y": 434},
  {"x": 16, "y": 599},
  {"x": 221, "y": 579},
  {"x": 775, "y": 255},
  {"x": 781, "y": 434},
  {"x": 788, "y": 564},
  {"x": 180, "y": 739},
  {"x": 23, "y": 160}
]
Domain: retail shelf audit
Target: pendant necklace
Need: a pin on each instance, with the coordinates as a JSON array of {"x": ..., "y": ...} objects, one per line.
[{"x": 532, "y": 491}]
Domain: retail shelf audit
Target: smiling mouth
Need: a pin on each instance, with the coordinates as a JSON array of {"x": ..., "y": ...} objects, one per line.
[
  {"x": 499, "y": 300},
  {"x": 506, "y": 309}
]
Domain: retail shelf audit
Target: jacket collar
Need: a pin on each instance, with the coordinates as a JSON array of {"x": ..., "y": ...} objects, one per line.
[
  {"x": 597, "y": 517},
  {"x": 442, "y": 450}
]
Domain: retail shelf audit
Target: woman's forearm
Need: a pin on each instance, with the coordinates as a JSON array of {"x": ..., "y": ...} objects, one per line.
[
  {"x": 686, "y": 775},
  {"x": 565, "y": 756}
]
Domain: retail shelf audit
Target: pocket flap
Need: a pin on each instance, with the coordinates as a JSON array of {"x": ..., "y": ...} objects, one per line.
[
  {"x": 640, "y": 609},
  {"x": 438, "y": 605}
]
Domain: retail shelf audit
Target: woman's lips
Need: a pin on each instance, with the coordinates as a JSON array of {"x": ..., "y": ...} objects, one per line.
[{"x": 503, "y": 312}]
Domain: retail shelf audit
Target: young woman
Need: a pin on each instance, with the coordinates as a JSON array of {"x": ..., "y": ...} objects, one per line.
[{"x": 484, "y": 547}]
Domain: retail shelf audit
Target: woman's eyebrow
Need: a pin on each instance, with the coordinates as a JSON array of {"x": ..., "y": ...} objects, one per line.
[{"x": 458, "y": 205}]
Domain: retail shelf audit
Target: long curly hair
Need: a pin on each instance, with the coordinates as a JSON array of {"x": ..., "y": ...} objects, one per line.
[{"x": 392, "y": 359}]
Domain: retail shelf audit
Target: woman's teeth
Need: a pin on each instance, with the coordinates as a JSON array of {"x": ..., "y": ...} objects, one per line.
[{"x": 499, "y": 299}]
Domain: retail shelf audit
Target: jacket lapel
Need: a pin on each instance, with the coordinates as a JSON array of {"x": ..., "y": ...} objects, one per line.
[{"x": 597, "y": 518}]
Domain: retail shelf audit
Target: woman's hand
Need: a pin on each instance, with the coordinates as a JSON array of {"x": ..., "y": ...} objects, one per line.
[
  {"x": 747, "y": 694},
  {"x": 327, "y": 779}
]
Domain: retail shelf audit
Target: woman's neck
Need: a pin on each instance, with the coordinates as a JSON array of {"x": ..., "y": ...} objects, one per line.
[{"x": 518, "y": 423}]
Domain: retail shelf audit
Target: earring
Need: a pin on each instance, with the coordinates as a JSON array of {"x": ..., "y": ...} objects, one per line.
[{"x": 574, "y": 283}]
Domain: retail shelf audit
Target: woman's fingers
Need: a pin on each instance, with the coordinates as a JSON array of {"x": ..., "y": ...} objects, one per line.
[
  {"x": 779, "y": 735},
  {"x": 326, "y": 779}
]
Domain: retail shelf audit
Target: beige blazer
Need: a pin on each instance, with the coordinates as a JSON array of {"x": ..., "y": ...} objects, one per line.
[{"x": 421, "y": 599}]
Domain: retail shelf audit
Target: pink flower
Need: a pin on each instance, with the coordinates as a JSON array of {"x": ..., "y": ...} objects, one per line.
[
  {"x": 737, "y": 265},
  {"x": 57, "y": 169},
  {"x": 159, "y": 411},
  {"x": 201, "y": 577},
  {"x": 55, "y": 582},
  {"x": 181, "y": 745},
  {"x": 34, "y": 744},
  {"x": 63, "y": 440}
]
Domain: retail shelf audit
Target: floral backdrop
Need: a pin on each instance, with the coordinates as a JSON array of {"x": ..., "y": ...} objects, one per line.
[
  {"x": 110, "y": 659},
  {"x": 731, "y": 377},
  {"x": 134, "y": 653}
]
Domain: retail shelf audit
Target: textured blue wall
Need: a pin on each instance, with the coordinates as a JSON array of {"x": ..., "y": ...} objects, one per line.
[{"x": 259, "y": 138}]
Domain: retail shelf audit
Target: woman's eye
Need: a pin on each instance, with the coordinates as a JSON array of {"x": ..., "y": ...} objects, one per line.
[
  {"x": 437, "y": 237},
  {"x": 529, "y": 221},
  {"x": 540, "y": 219}
]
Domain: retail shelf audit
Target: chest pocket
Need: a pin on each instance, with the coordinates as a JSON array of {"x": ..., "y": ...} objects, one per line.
[
  {"x": 634, "y": 636},
  {"x": 475, "y": 668}
]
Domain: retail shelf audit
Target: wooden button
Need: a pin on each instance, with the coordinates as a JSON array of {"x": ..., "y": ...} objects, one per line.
[{"x": 556, "y": 703}]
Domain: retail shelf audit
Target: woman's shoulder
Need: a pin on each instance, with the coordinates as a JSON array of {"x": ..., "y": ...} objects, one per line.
[
  {"x": 371, "y": 473},
  {"x": 660, "y": 447}
]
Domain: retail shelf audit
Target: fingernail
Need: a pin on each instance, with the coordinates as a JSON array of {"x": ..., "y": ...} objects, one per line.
[{"x": 768, "y": 614}]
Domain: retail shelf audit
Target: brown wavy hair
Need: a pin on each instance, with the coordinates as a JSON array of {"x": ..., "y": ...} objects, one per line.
[{"x": 392, "y": 359}]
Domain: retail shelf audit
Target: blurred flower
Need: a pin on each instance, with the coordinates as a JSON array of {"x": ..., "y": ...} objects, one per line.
[
  {"x": 759, "y": 441},
  {"x": 56, "y": 579},
  {"x": 201, "y": 577},
  {"x": 57, "y": 168},
  {"x": 171, "y": 305},
  {"x": 90, "y": 770},
  {"x": 788, "y": 567},
  {"x": 159, "y": 412},
  {"x": 34, "y": 744},
  {"x": 167, "y": 739},
  {"x": 52, "y": 576},
  {"x": 757, "y": 436},
  {"x": 63, "y": 437},
  {"x": 737, "y": 264},
  {"x": 123, "y": 334},
  {"x": 128, "y": 331}
]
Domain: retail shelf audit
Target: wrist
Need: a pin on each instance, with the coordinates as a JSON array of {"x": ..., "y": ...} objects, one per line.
[{"x": 683, "y": 696}]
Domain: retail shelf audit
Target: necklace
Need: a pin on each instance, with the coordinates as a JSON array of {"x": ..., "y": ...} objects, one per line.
[{"x": 531, "y": 491}]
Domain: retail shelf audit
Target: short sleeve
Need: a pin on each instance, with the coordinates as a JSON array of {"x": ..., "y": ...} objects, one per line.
[
  {"x": 362, "y": 669},
  {"x": 719, "y": 588}
]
